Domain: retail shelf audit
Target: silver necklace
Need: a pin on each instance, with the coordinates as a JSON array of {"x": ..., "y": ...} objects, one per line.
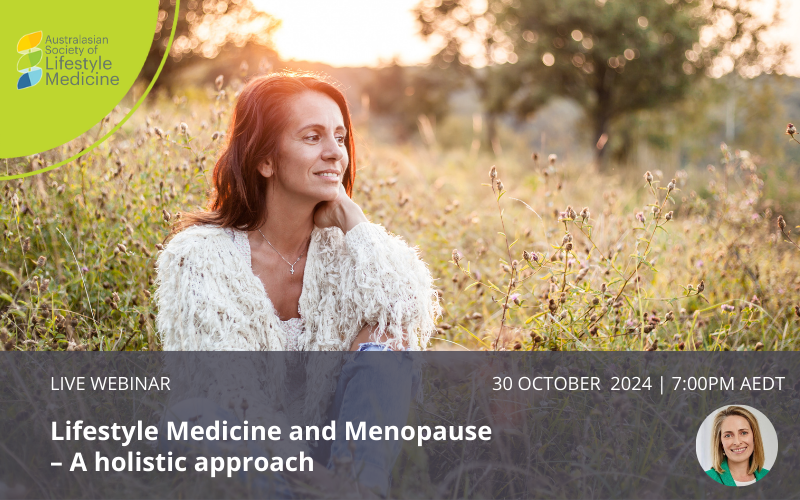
[{"x": 281, "y": 256}]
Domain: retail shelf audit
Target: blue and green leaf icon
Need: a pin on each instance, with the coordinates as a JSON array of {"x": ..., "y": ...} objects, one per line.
[{"x": 28, "y": 63}]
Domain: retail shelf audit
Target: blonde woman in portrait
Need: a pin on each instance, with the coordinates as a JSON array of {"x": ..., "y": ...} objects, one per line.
[{"x": 737, "y": 449}]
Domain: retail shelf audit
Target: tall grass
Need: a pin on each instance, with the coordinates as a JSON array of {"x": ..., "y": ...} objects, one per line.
[{"x": 654, "y": 261}]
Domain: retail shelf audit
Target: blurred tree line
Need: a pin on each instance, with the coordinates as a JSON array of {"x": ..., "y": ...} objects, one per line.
[
  {"x": 644, "y": 73},
  {"x": 615, "y": 59},
  {"x": 408, "y": 93},
  {"x": 747, "y": 114},
  {"x": 206, "y": 28}
]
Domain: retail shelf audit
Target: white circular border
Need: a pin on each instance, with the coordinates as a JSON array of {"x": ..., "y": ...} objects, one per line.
[{"x": 768, "y": 436}]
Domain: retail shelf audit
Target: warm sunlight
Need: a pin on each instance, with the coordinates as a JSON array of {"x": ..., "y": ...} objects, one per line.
[
  {"x": 366, "y": 32},
  {"x": 347, "y": 32}
]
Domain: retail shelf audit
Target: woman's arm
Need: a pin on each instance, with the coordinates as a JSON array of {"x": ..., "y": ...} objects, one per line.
[{"x": 384, "y": 291}]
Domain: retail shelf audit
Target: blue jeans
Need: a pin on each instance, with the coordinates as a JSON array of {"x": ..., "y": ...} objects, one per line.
[
  {"x": 372, "y": 388},
  {"x": 375, "y": 389}
]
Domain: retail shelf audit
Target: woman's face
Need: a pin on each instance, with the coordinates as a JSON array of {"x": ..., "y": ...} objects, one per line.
[
  {"x": 737, "y": 439},
  {"x": 312, "y": 152}
]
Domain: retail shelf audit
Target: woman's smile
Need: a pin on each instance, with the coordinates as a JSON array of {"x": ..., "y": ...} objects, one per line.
[{"x": 329, "y": 175}]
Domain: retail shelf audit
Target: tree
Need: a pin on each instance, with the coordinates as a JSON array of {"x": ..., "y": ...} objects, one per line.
[
  {"x": 612, "y": 57},
  {"x": 205, "y": 27}
]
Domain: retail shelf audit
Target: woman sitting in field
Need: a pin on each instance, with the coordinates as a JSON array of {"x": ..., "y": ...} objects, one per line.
[
  {"x": 737, "y": 450},
  {"x": 284, "y": 260}
]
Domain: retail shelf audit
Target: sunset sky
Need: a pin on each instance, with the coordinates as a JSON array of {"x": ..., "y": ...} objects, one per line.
[
  {"x": 347, "y": 32},
  {"x": 370, "y": 32}
]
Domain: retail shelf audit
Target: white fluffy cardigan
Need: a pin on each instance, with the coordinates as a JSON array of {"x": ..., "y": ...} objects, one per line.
[{"x": 210, "y": 300}]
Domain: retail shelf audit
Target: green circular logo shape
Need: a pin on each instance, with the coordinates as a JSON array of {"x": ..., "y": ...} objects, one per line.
[{"x": 66, "y": 65}]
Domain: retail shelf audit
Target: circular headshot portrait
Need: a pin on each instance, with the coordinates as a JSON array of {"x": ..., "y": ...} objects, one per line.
[{"x": 737, "y": 445}]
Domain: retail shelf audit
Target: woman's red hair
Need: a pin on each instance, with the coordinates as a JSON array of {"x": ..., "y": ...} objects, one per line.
[{"x": 239, "y": 191}]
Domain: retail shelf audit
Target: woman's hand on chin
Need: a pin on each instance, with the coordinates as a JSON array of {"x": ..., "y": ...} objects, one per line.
[{"x": 342, "y": 212}]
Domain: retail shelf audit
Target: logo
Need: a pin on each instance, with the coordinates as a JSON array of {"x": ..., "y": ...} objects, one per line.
[{"x": 31, "y": 57}]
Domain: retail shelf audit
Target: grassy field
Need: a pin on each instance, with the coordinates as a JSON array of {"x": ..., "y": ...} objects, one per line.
[{"x": 538, "y": 255}]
